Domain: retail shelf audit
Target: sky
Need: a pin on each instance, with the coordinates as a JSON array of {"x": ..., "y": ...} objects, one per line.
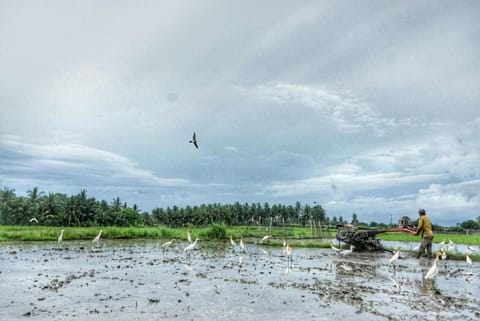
[{"x": 366, "y": 107}]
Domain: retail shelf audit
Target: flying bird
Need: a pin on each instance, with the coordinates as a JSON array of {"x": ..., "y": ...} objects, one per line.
[{"x": 194, "y": 140}]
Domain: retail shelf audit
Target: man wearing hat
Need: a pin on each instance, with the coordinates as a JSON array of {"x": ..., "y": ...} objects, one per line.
[{"x": 425, "y": 228}]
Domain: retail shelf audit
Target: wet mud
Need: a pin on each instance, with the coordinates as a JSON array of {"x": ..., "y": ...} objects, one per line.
[{"x": 137, "y": 280}]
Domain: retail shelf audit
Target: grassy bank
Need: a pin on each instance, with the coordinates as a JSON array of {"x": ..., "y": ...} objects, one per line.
[
  {"x": 48, "y": 233},
  {"x": 455, "y": 238},
  {"x": 300, "y": 236}
]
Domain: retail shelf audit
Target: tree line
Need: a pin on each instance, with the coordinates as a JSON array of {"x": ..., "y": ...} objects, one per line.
[{"x": 57, "y": 209}]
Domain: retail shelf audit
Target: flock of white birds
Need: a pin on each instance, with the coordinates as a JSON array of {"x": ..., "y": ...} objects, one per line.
[{"x": 288, "y": 251}]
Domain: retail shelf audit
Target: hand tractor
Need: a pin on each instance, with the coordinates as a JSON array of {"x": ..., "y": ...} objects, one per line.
[{"x": 364, "y": 240}]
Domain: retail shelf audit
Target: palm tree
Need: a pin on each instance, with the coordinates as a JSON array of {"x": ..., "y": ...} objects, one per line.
[{"x": 34, "y": 194}]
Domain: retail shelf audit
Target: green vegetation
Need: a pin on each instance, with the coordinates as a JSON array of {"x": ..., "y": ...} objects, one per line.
[
  {"x": 214, "y": 232},
  {"x": 79, "y": 210},
  {"x": 302, "y": 236},
  {"x": 439, "y": 237}
]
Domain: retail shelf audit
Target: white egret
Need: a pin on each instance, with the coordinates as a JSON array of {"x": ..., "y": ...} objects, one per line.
[
  {"x": 289, "y": 252},
  {"x": 242, "y": 245},
  {"x": 60, "y": 238},
  {"x": 232, "y": 241},
  {"x": 284, "y": 246},
  {"x": 96, "y": 240},
  {"x": 451, "y": 245},
  {"x": 265, "y": 238},
  {"x": 166, "y": 245},
  {"x": 189, "y": 237},
  {"x": 468, "y": 259},
  {"x": 395, "y": 256},
  {"x": 347, "y": 252},
  {"x": 190, "y": 247},
  {"x": 346, "y": 267},
  {"x": 444, "y": 254},
  {"x": 33, "y": 220},
  {"x": 336, "y": 249},
  {"x": 432, "y": 273},
  {"x": 472, "y": 248}
]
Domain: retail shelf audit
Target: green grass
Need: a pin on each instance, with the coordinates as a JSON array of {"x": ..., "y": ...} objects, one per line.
[
  {"x": 302, "y": 236},
  {"x": 48, "y": 233},
  {"x": 456, "y": 238}
]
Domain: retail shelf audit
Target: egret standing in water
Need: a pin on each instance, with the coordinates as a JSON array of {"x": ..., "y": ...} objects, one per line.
[
  {"x": 336, "y": 249},
  {"x": 166, "y": 245},
  {"x": 394, "y": 258},
  {"x": 96, "y": 240},
  {"x": 189, "y": 237},
  {"x": 432, "y": 273},
  {"x": 242, "y": 245},
  {"x": 289, "y": 252},
  {"x": 472, "y": 248},
  {"x": 190, "y": 247},
  {"x": 233, "y": 243},
  {"x": 347, "y": 252},
  {"x": 60, "y": 238},
  {"x": 266, "y": 238},
  {"x": 468, "y": 259}
]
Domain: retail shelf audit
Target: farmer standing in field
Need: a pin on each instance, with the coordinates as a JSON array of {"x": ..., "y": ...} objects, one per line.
[{"x": 425, "y": 228}]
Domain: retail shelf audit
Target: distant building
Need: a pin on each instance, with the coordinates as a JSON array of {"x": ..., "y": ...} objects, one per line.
[{"x": 404, "y": 222}]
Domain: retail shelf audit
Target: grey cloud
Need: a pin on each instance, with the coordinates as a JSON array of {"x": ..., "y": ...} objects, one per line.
[{"x": 69, "y": 163}]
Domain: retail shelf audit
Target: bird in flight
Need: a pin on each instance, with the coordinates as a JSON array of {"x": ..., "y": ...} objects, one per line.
[{"x": 194, "y": 140}]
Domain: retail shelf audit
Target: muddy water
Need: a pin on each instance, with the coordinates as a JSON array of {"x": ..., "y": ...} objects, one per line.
[{"x": 135, "y": 280}]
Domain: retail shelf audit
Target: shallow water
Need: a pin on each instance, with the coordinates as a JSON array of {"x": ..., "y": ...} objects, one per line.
[{"x": 136, "y": 280}]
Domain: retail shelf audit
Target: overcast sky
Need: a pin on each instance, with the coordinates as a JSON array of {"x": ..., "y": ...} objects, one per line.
[{"x": 366, "y": 107}]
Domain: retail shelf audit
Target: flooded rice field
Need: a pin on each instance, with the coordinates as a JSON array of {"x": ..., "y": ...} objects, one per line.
[{"x": 137, "y": 280}]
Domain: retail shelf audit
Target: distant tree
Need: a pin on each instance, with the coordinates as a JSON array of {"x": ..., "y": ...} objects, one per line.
[
  {"x": 355, "y": 219},
  {"x": 34, "y": 194},
  {"x": 128, "y": 217},
  {"x": 469, "y": 225}
]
